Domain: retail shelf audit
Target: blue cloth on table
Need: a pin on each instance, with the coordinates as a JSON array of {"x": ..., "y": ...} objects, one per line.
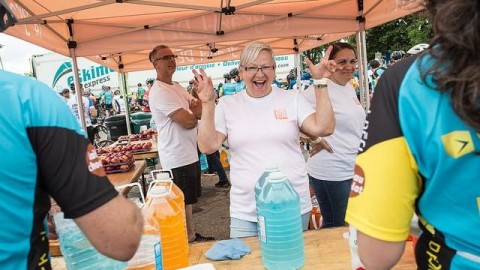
[{"x": 227, "y": 250}]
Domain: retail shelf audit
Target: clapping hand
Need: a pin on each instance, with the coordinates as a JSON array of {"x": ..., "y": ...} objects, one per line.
[
  {"x": 325, "y": 68},
  {"x": 204, "y": 86}
]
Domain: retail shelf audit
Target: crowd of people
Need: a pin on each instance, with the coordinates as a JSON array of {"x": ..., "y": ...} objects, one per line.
[{"x": 415, "y": 152}]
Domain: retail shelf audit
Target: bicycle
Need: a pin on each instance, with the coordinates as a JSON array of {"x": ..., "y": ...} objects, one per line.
[{"x": 101, "y": 136}]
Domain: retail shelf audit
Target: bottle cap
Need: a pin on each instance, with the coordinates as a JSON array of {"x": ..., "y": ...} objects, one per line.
[
  {"x": 271, "y": 167},
  {"x": 276, "y": 177},
  {"x": 163, "y": 176},
  {"x": 158, "y": 191}
]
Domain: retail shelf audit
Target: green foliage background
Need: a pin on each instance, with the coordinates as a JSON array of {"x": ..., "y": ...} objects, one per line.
[{"x": 400, "y": 34}]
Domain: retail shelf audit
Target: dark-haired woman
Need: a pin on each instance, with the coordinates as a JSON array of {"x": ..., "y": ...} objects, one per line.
[{"x": 332, "y": 158}]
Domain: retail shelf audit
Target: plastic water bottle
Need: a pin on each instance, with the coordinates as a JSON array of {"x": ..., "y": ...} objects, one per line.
[
  {"x": 171, "y": 219},
  {"x": 203, "y": 162},
  {"x": 354, "y": 256},
  {"x": 149, "y": 253},
  {"x": 78, "y": 252},
  {"x": 261, "y": 181},
  {"x": 280, "y": 224}
]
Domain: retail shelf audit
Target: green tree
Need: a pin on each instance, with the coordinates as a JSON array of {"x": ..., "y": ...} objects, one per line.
[{"x": 399, "y": 34}]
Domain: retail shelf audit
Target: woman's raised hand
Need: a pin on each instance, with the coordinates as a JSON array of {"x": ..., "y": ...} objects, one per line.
[
  {"x": 203, "y": 86},
  {"x": 324, "y": 68}
]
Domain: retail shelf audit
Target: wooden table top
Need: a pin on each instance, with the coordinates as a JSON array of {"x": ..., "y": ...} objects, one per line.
[
  {"x": 151, "y": 153},
  {"x": 324, "y": 249}
]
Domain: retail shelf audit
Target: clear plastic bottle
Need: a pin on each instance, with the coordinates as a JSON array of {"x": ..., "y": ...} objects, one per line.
[
  {"x": 171, "y": 220},
  {"x": 77, "y": 251},
  {"x": 280, "y": 224},
  {"x": 149, "y": 253}
]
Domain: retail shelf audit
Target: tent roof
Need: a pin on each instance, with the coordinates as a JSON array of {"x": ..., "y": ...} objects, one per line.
[{"x": 124, "y": 31}]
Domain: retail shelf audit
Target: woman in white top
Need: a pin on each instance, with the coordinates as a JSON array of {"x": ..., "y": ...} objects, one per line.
[
  {"x": 331, "y": 162},
  {"x": 261, "y": 125}
]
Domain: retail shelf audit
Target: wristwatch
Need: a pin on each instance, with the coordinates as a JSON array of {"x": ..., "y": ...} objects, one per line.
[{"x": 321, "y": 83}]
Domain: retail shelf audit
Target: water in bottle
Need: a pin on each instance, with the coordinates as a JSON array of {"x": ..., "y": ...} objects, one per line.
[
  {"x": 280, "y": 224},
  {"x": 149, "y": 252},
  {"x": 261, "y": 181},
  {"x": 171, "y": 220},
  {"x": 78, "y": 252}
]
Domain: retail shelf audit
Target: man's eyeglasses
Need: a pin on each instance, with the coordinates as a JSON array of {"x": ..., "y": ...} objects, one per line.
[
  {"x": 344, "y": 62},
  {"x": 264, "y": 69},
  {"x": 166, "y": 57}
]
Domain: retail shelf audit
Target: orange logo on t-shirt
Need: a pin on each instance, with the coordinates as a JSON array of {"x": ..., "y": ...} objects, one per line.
[
  {"x": 281, "y": 114},
  {"x": 358, "y": 181},
  {"x": 93, "y": 162}
]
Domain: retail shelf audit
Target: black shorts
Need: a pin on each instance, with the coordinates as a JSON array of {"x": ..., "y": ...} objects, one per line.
[
  {"x": 188, "y": 179},
  {"x": 108, "y": 106}
]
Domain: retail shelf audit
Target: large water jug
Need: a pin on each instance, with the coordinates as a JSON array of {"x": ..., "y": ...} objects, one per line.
[
  {"x": 149, "y": 252},
  {"x": 261, "y": 181},
  {"x": 280, "y": 224},
  {"x": 78, "y": 252},
  {"x": 171, "y": 219},
  {"x": 164, "y": 178}
]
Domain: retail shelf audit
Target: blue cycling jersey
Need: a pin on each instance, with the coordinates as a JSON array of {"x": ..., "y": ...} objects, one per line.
[{"x": 44, "y": 151}]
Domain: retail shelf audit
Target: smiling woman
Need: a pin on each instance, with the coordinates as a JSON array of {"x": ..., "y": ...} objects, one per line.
[{"x": 262, "y": 126}]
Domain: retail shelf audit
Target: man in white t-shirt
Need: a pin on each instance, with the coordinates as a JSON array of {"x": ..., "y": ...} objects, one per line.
[
  {"x": 176, "y": 114},
  {"x": 88, "y": 109}
]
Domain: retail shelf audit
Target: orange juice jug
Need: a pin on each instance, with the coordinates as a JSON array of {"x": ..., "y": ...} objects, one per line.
[
  {"x": 164, "y": 178},
  {"x": 171, "y": 219}
]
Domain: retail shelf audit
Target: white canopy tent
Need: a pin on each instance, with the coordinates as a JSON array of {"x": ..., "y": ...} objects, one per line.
[{"x": 120, "y": 33}]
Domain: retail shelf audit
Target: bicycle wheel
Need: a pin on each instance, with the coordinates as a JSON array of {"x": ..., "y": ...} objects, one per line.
[
  {"x": 101, "y": 133},
  {"x": 104, "y": 143}
]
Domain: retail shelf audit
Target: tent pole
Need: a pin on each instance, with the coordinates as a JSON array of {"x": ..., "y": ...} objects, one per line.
[
  {"x": 123, "y": 84},
  {"x": 362, "y": 67},
  {"x": 78, "y": 91}
]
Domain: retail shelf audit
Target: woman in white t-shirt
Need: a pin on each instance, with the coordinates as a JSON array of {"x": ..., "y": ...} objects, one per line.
[
  {"x": 332, "y": 158},
  {"x": 261, "y": 125}
]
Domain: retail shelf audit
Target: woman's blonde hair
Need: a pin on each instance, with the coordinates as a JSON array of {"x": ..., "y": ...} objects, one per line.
[{"x": 251, "y": 52}]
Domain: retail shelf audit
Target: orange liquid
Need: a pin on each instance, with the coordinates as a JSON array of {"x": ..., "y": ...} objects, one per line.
[
  {"x": 171, "y": 219},
  {"x": 176, "y": 195},
  {"x": 142, "y": 267}
]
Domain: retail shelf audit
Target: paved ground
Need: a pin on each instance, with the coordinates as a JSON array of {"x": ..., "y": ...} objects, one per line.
[{"x": 211, "y": 213}]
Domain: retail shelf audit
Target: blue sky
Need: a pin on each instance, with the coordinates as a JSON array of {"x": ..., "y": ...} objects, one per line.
[{"x": 15, "y": 54}]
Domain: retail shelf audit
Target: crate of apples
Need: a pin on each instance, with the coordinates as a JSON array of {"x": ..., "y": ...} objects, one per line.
[
  {"x": 135, "y": 137},
  {"x": 123, "y": 138},
  {"x": 140, "y": 147},
  {"x": 147, "y": 134},
  {"x": 117, "y": 162}
]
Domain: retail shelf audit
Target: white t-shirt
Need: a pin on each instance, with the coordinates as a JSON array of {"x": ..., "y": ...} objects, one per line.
[
  {"x": 349, "y": 119},
  {"x": 177, "y": 146},
  {"x": 73, "y": 105},
  {"x": 120, "y": 102},
  {"x": 262, "y": 131}
]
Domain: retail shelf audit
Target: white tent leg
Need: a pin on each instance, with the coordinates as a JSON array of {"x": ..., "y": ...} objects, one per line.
[
  {"x": 78, "y": 90},
  {"x": 362, "y": 67},
  {"x": 298, "y": 66}
]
